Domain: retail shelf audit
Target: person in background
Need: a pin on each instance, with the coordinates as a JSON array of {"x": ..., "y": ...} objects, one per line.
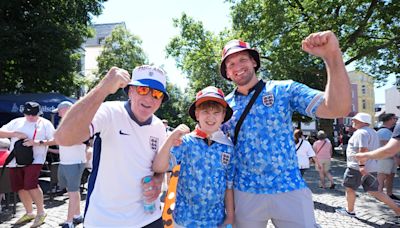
[
  {"x": 72, "y": 164},
  {"x": 387, "y": 167},
  {"x": 362, "y": 173},
  {"x": 388, "y": 150},
  {"x": 127, "y": 136},
  {"x": 304, "y": 152},
  {"x": 323, "y": 151},
  {"x": 38, "y": 133},
  {"x": 206, "y": 158}
]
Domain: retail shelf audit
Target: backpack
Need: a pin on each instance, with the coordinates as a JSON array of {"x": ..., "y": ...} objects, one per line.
[{"x": 23, "y": 154}]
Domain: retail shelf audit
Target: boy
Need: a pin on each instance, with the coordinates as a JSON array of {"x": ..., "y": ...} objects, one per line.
[{"x": 205, "y": 183}]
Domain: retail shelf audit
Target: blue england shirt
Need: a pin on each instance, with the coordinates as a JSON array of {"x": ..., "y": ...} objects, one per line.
[
  {"x": 265, "y": 150},
  {"x": 206, "y": 172}
]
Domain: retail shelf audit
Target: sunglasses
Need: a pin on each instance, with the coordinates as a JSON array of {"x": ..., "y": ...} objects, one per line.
[{"x": 144, "y": 90}]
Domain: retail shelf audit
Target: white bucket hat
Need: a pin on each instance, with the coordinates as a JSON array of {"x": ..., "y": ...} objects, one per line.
[{"x": 363, "y": 117}]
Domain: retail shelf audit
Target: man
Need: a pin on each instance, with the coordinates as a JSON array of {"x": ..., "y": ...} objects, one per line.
[
  {"x": 360, "y": 173},
  {"x": 72, "y": 164},
  {"x": 38, "y": 133},
  {"x": 387, "y": 167},
  {"x": 268, "y": 184},
  {"x": 388, "y": 150},
  {"x": 128, "y": 136}
]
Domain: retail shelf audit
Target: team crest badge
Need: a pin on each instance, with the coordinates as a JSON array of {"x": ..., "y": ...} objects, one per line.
[
  {"x": 153, "y": 143},
  {"x": 225, "y": 158},
  {"x": 268, "y": 100}
]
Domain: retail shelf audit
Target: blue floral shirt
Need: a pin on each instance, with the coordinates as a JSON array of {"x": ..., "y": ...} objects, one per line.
[
  {"x": 265, "y": 150},
  {"x": 206, "y": 172}
]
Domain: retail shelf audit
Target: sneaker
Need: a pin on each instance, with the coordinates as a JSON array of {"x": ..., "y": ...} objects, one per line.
[
  {"x": 24, "y": 219},
  {"x": 39, "y": 220},
  {"x": 78, "y": 220},
  {"x": 68, "y": 225},
  {"x": 344, "y": 212},
  {"x": 393, "y": 197}
]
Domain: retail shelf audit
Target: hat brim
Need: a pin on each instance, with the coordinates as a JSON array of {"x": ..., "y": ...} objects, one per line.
[
  {"x": 151, "y": 84},
  {"x": 361, "y": 120},
  {"x": 192, "y": 108},
  {"x": 254, "y": 54},
  {"x": 33, "y": 113}
]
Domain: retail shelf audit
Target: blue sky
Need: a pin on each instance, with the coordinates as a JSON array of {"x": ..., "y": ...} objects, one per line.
[{"x": 151, "y": 20}]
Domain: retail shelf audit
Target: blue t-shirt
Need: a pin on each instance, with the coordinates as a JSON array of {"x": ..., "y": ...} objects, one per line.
[
  {"x": 265, "y": 150},
  {"x": 206, "y": 172}
]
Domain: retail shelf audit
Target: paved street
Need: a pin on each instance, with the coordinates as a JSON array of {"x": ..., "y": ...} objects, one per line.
[{"x": 370, "y": 212}]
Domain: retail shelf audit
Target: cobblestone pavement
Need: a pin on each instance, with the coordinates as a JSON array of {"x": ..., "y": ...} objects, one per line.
[{"x": 370, "y": 212}]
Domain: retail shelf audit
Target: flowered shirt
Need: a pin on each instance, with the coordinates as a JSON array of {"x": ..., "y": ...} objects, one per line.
[
  {"x": 265, "y": 150},
  {"x": 206, "y": 172}
]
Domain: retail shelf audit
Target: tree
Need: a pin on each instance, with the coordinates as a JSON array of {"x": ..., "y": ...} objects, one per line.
[
  {"x": 197, "y": 54},
  {"x": 121, "y": 49},
  {"x": 368, "y": 31},
  {"x": 40, "y": 42}
]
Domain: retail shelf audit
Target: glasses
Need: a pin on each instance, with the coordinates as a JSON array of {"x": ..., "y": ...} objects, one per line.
[{"x": 144, "y": 90}]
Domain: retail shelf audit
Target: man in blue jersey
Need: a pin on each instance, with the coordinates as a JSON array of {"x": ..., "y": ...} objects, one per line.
[
  {"x": 268, "y": 184},
  {"x": 127, "y": 138}
]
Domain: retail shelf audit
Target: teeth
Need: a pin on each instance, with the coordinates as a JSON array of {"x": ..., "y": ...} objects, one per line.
[{"x": 240, "y": 73}]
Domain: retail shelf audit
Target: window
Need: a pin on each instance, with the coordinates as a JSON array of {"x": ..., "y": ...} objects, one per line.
[
  {"x": 363, "y": 89},
  {"x": 364, "y": 104}
]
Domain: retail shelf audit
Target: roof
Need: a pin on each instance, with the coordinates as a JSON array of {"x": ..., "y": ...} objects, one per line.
[{"x": 101, "y": 32}]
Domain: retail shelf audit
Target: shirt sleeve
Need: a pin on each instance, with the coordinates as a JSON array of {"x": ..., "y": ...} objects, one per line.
[
  {"x": 177, "y": 153},
  {"x": 230, "y": 173},
  {"x": 304, "y": 99},
  {"x": 100, "y": 119}
]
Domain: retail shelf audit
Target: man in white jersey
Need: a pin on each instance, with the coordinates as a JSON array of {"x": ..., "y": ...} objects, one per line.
[
  {"x": 127, "y": 137},
  {"x": 72, "y": 164}
]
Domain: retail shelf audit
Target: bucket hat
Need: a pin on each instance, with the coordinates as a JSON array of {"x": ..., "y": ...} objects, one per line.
[
  {"x": 210, "y": 93},
  {"x": 363, "y": 117}
]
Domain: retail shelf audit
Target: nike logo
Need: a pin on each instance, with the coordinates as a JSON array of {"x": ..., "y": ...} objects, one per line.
[{"x": 122, "y": 133}]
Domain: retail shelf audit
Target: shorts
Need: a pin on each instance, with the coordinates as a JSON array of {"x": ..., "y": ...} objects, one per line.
[
  {"x": 26, "y": 178},
  {"x": 288, "y": 209},
  {"x": 353, "y": 179},
  {"x": 387, "y": 166},
  {"x": 326, "y": 163},
  {"x": 69, "y": 176}
]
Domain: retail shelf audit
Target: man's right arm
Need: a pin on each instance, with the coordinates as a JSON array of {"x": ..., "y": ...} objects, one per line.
[{"x": 74, "y": 126}]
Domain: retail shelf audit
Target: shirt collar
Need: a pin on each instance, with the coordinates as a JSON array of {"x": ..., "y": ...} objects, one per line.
[
  {"x": 127, "y": 106},
  {"x": 250, "y": 90}
]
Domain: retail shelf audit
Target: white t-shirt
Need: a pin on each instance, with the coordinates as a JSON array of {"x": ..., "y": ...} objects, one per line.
[
  {"x": 304, "y": 152},
  {"x": 126, "y": 156},
  {"x": 44, "y": 131},
  {"x": 363, "y": 137},
  {"x": 70, "y": 155}
]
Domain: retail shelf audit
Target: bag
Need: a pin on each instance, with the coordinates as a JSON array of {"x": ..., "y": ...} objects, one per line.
[{"x": 23, "y": 154}]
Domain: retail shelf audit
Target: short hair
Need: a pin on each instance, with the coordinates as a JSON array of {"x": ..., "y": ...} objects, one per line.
[
  {"x": 321, "y": 135},
  {"x": 210, "y": 104},
  {"x": 386, "y": 117}
]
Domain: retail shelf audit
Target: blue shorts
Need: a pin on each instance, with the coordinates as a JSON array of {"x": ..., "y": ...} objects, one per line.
[{"x": 69, "y": 176}]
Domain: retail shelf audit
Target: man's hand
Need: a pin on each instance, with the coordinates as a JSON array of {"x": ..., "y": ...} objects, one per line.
[
  {"x": 321, "y": 44},
  {"x": 152, "y": 190},
  {"x": 115, "y": 78},
  {"x": 363, "y": 171},
  {"x": 362, "y": 157}
]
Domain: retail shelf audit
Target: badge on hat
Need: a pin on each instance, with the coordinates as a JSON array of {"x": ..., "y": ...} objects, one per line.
[{"x": 268, "y": 99}]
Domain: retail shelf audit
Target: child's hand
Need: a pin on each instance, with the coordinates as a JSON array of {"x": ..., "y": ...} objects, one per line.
[{"x": 177, "y": 134}]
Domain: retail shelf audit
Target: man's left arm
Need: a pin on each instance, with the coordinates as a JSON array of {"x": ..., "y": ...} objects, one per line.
[{"x": 337, "y": 102}]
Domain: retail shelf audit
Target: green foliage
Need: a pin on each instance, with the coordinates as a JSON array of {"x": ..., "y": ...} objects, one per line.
[
  {"x": 40, "y": 43},
  {"x": 368, "y": 31},
  {"x": 121, "y": 49},
  {"x": 197, "y": 54}
]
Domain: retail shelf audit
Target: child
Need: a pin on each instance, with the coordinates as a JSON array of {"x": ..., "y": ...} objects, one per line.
[{"x": 204, "y": 191}]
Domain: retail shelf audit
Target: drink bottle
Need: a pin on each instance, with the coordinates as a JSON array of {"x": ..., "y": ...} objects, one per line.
[{"x": 149, "y": 207}]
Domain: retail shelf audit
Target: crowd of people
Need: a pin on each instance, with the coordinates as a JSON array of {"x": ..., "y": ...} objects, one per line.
[{"x": 241, "y": 166}]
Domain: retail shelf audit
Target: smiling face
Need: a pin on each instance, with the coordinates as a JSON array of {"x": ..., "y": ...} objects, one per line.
[
  {"x": 143, "y": 106},
  {"x": 240, "y": 68},
  {"x": 210, "y": 116}
]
